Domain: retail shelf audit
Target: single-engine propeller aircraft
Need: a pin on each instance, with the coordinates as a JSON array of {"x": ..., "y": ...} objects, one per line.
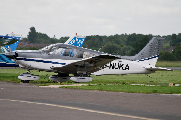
[
  {"x": 67, "y": 59},
  {"x": 11, "y": 41}
]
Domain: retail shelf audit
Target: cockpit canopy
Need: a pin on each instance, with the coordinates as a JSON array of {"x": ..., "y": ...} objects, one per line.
[
  {"x": 48, "y": 48},
  {"x": 59, "y": 49}
]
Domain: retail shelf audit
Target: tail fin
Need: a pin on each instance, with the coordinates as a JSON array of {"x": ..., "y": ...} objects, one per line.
[
  {"x": 76, "y": 40},
  {"x": 11, "y": 42},
  {"x": 8, "y": 43},
  {"x": 149, "y": 54}
]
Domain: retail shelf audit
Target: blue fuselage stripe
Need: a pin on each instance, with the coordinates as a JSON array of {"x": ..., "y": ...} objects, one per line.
[
  {"x": 149, "y": 58},
  {"x": 26, "y": 59}
]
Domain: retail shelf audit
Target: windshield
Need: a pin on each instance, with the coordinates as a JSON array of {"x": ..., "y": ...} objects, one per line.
[{"x": 49, "y": 48}]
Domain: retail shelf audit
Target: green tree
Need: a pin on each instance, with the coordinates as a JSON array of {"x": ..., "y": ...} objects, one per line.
[
  {"x": 177, "y": 51},
  {"x": 125, "y": 50},
  {"x": 111, "y": 49},
  {"x": 174, "y": 42},
  {"x": 63, "y": 39},
  {"x": 139, "y": 44},
  {"x": 32, "y": 37},
  {"x": 179, "y": 34},
  {"x": 93, "y": 42},
  {"x": 174, "y": 36},
  {"x": 42, "y": 36},
  {"x": 131, "y": 39},
  {"x": 166, "y": 56}
]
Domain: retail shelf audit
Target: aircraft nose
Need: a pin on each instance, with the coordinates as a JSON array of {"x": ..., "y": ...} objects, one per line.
[{"x": 11, "y": 55}]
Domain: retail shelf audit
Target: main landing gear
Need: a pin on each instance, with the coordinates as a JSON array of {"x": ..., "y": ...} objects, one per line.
[
  {"x": 26, "y": 77},
  {"x": 81, "y": 78},
  {"x": 65, "y": 77},
  {"x": 60, "y": 77}
]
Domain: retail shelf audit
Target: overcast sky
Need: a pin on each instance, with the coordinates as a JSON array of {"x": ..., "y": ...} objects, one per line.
[{"x": 90, "y": 17}]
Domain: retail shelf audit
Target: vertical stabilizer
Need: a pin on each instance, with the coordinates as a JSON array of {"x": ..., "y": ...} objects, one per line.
[
  {"x": 149, "y": 54},
  {"x": 76, "y": 40},
  {"x": 8, "y": 43}
]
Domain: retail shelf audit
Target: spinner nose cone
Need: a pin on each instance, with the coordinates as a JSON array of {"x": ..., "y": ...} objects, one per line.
[{"x": 11, "y": 55}]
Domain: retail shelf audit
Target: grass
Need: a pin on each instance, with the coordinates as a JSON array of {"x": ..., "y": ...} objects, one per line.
[
  {"x": 130, "y": 89},
  {"x": 116, "y": 83},
  {"x": 11, "y": 75},
  {"x": 168, "y": 64},
  {"x": 120, "y": 83}
]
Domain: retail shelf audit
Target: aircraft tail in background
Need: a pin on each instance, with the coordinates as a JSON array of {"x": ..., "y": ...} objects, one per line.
[
  {"x": 76, "y": 40},
  {"x": 7, "y": 44}
]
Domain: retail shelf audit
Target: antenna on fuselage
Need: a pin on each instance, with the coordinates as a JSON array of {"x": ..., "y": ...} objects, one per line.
[{"x": 101, "y": 48}]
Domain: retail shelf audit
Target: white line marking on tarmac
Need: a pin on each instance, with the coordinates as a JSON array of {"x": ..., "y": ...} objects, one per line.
[{"x": 75, "y": 108}]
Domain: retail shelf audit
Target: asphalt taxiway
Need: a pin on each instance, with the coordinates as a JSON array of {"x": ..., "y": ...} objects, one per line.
[{"x": 25, "y": 101}]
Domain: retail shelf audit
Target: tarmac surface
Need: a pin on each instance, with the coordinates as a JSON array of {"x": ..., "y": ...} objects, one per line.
[{"x": 27, "y": 102}]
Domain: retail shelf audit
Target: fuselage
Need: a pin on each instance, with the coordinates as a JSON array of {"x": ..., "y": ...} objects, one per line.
[
  {"x": 60, "y": 55},
  {"x": 123, "y": 67}
]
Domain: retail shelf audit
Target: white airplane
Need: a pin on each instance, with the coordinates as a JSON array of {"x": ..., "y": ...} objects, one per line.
[{"x": 67, "y": 59}]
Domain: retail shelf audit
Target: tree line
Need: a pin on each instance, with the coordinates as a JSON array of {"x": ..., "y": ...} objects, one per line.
[{"x": 124, "y": 44}]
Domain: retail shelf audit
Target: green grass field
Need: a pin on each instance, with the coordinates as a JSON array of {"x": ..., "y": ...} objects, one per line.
[
  {"x": 130, "y": 89},
  {"x": 160, "y": 79},
  {"x": 11, "y": 75},
  {"x": 116, "y": 83},
  {"x": 168, "y": 64}
]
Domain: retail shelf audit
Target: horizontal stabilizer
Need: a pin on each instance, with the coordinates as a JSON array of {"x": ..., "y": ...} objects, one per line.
[{"x": 158, "y": 69}]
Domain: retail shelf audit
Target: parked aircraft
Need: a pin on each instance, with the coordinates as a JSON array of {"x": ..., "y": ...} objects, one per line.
[
  {"x": 11, "y": 41},
  {"x": 81, "y": 62}
]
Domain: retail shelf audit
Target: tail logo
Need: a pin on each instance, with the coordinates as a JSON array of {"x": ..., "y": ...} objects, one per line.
[{"x": 77, "y": 41}]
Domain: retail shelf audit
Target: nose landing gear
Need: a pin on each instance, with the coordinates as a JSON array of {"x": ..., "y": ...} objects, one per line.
[{"x": 26, "y": 77}]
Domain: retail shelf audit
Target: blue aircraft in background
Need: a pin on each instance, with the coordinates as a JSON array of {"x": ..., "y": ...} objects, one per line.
[{"x": 8, "y": 42}]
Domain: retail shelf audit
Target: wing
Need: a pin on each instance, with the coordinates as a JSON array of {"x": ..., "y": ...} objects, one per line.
[
  {"x": 158, "y": 69},
  {"x": 88, "y": 65}
]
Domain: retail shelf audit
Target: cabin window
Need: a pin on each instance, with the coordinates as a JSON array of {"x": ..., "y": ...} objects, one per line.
[
  {"x": 64, "y": 52},
  {"x": 85, "y": 55},
  {"x": 79, "y": 54},
  {"x": 52, "y": 49},
  {"x": 71, "y": 52}
]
